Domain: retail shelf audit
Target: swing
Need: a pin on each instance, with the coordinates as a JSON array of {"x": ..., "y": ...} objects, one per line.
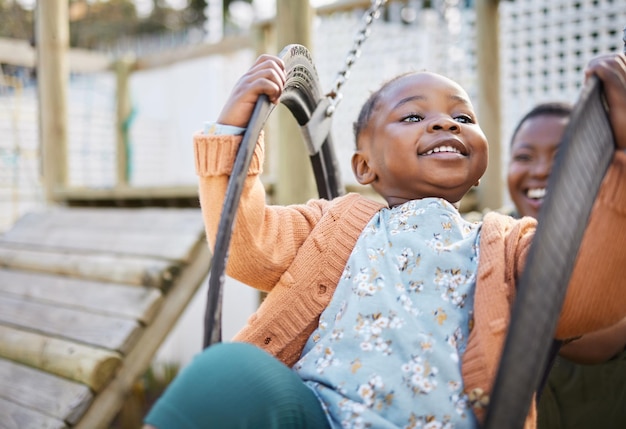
[
  {"x": 582, "y": 161},
  {"x": 302, "y": 95}
]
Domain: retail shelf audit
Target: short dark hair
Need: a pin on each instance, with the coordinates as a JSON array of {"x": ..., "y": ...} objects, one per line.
[
  {"x": 552, "y": 108},
  {"x": 370, "y": 105}
]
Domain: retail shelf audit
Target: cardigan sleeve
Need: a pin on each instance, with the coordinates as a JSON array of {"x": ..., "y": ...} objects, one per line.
[
  {"x": 265, "y": 238},
  {"x": 596, "y": 295}
]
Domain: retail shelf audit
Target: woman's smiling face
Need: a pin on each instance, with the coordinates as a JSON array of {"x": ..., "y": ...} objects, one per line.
[
  {"x": 422, "y": 140},
  {"x": 532, "y": 154}
]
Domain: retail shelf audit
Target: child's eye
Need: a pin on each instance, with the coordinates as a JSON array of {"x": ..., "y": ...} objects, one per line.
[
  {"x": 413, "y": 117},
  {"x": 464, "y": 119}
]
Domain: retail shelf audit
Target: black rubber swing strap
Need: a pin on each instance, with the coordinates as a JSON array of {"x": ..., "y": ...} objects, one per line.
[
  {"x": 213, "y": 315},
  {"x": 583, "y": 158},
  {"x": 302, "y": 96}
]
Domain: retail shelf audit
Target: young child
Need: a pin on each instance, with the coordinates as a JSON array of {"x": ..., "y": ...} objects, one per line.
[
  {"x": 585, "y": 388},
  {"x": 383, "y": 316}
]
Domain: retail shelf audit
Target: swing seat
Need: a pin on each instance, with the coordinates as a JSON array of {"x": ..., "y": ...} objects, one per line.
[{"x": 87, "y": 295}]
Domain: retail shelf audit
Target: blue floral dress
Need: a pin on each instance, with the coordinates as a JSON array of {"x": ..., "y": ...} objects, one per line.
[{"x": 387, "y": 352}]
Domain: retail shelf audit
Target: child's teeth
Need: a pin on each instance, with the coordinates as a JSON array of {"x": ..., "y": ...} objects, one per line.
[{"x": 442, "y": 149}]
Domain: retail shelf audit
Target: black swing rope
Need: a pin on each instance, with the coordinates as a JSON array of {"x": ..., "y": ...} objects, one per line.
[
  {"x": 302, "y": 96},
  {"x": 579, "y": 167}
]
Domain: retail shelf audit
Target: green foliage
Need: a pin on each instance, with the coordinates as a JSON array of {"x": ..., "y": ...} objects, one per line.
[
  {"x": 15, "y": 22},
  {"x": 95, "y": 24},
  {"x": 195, "y": 12},
  {"x": 103, "y": 22},
  {"x": 99, "y": 23}
]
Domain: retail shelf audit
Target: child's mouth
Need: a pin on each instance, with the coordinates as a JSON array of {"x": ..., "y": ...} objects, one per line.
[
  {"x": 446, "y": 147},
  {"x": 440, "y": 149}
]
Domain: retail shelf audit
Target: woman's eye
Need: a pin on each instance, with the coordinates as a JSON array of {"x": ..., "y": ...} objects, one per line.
[
  {"x": 464, "y": 119},
  {"x": 522, "y": 157},
  {"x": 413, "y": 117}
]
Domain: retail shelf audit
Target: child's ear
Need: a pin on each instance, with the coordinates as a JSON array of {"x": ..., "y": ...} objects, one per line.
[{"x": 361, "y": 168}]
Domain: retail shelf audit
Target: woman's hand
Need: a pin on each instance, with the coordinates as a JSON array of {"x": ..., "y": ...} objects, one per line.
[
  {"x": 611, "y": 69},
  {"x": 596, "y": 347}
]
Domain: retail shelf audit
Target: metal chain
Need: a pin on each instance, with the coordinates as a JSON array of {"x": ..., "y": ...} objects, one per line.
[{"x": 353, "y": 54}]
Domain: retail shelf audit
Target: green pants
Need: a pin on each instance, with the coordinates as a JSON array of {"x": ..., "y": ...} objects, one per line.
[
  {"x": 237, "y": 385},
  {"x": 584, "y": 396}
]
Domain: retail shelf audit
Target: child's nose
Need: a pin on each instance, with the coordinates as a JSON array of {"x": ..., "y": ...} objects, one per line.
[{"x": 443, "y": 123}]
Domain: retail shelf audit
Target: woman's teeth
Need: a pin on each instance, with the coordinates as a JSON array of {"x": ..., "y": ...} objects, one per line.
[{"x": 536, "y": 193}]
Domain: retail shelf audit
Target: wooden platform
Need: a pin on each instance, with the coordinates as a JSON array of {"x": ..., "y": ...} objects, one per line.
[{"x": 87, "y": 295}]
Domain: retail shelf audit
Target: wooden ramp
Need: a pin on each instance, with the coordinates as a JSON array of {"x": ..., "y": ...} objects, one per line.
[{"x": 87, "y": 295}]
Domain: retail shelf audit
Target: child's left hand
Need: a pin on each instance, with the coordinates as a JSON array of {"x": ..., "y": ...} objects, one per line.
[{"x": 611, "y": 69}]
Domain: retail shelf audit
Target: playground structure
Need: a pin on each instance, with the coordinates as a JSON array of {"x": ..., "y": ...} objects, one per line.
[
  {"x": 48, "y": 232},
  {"x": 293, "y": 24}
]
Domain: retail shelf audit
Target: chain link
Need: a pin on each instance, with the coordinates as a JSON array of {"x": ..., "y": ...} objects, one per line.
[{"x": 353, "y": 54}]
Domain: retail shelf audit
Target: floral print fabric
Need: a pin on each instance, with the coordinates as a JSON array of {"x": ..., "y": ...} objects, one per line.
[{"x": 387, "y": 352}]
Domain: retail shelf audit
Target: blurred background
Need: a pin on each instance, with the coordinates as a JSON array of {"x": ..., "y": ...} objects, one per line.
[{"x": 145, "y": 74}]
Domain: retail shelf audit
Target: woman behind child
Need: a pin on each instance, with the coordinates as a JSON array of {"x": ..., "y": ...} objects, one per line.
[{"x": 586, "y": 387}]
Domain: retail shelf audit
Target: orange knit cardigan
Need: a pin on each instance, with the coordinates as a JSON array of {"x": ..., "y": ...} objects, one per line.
[{"x": 298, "y": 252}]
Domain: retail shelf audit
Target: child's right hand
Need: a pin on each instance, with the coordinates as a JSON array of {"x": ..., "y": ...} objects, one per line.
[{"x": 267, "y": 76}]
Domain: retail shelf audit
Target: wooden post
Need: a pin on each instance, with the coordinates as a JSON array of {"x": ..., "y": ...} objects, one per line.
[
  {"x": 491, "y": 189},
  {"x": 294, "y": 180},
  {"x": 52, "y": 39},
  {"x": 123, "y": 68}
]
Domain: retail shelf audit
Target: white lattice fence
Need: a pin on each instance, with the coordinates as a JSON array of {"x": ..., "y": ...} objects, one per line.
[{"x": 545, "y": 47}]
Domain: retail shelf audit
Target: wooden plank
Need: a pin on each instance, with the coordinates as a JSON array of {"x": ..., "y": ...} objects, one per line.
[
  {"x": 110, "y": 400},
  {"x": 43, "y": 315},
  {"x": 173, "y": 246},
  {"x": 158, "y": 233},
  {"x": 132, "y": 302},
  {"x": 131, "y": 270},
  {"x": 74, "y": 325},
  {"x": 226, "y": 46},
  {"x": 17, "y": 52},
  {"x": 91, "y": 366},
  {"x": 14, "y": 416},
  {"x": 124, "y": 194},
  {"x": 48, "y": 394},
  {"x": 152, "y": 220},
  {"x": 20, "y": 53}
]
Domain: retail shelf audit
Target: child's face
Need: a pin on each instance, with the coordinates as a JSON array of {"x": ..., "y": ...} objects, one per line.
[
  {"x": 532, "y": 154},
  {"x": 423, "y": 140}
]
